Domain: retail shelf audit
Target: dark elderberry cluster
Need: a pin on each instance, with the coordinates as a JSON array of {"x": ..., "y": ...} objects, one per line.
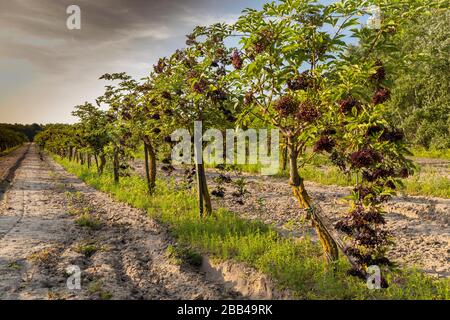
[
  {"x": 329, "y": 132},
  {"x": 263, "y": 42},
  {"x": 168, "y": 139},
  {"x": 155, "y": 116},
  {"x": 381, "y": 96},
  {"x": 364, "y": 226},
  {"x": 364, "y": 192},
  {"x": 217, "y": 95},
  {"x": 260, "y": 45},
  {"x": 286, "y": 105},
  {"x": 200, "y": 86},
  {"x": 236, "y": 60},
  {"x": 166, "y": 95},
  {"x": 346, "y": 105},
  {"x": 191, "y": 40},
  {"x": 374, "y": 129},
  {"x": 307, "y": 112},
  {"x": 248, "y": 99},
  {"x": 365, "y": 157},
  {"x": 301, "y": 82},
  {"x": 325, "y": 143},
  {"x": 160, "y": 66},
  {"x": 392, "y": 135},
  {"x": 379, "y": 175},
  {"x": 192, "y": 74},
  {"x": 220, "y": 53}
]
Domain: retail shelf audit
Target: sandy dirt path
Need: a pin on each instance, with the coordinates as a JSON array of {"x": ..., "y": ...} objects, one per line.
[
  {"x": 121, "y": 256},
  {"x": 420, "y": 225}
]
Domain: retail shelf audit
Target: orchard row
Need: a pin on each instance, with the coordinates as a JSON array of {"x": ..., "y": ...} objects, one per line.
[{"x": 287, "y": 66}]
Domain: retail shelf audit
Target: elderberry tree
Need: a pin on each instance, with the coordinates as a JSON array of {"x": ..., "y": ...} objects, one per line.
[
  {"x": 92, "y": 132},
  {"x": 144, "y": 124},
  {"x": 58, "y": 139},
  {"x": 193, "y": 86},
  {"x": 149, "y": 123},
  {"x": 120, "y": 100},
  {"x": 289, "y": 52},
  {"x": 364, "y": 142}
]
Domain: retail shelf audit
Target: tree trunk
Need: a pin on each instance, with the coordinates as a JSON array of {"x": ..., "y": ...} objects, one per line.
[
  {"x": 96, "y": 161},
  {"x": 150, "y": 166},
  {"x": 285, "y": 156},
  {"x": 328, "y": 243},
  {"x": 199, "y": 191},
  {"x": 204, "y": 199},
  {"x": 116, "y": 166},
  {"x": 102, "y": 164},
  {"x": 89, "y": 159}
]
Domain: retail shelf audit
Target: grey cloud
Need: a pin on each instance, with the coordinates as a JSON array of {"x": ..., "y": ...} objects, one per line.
[{"x": 116, "y": 35}]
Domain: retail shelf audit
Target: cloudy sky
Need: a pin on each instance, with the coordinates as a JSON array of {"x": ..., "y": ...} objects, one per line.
[{"x": 46, "y": 69}]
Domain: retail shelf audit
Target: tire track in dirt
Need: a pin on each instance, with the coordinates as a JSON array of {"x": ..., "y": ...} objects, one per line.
[
  {"x": 420, "y": 225},
  {"x": 127, "y": 257}
]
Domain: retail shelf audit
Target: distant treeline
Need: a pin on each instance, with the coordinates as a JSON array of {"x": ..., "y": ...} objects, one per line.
[
  {"x": 29, "y": 130},
  {"x": 12, "y": 135}
]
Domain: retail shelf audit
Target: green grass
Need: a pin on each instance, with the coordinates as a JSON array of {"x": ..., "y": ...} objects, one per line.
[
  {"x": 87, "y": 249},
  {"x": 294, "y": 264},
  {"x": 431, "y": 153},
  {"x": 86, "y": 220},
  {"x": 8, "y": 151},
  {"x": 96, "y": 288},
  {"x": 183, "y": 254},
  {"x": 427, "y": 181}
]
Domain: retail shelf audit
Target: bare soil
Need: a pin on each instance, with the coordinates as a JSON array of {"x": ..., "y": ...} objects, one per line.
[
  {"x": 122, "y": 253},
  {"x": 420, "y": 225},
  {"x": 8, "y": 164}
]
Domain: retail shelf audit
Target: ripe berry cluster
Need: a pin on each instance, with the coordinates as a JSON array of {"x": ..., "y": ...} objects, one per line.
[
  {"x": 160, "y": 66},
  {"x": 301, "y": 82},
  {"x": 307, "y": 112},
  {"x": 365, "y": 157},
  {"x": 381, "y": 96},
  {"x": 236, "y": 60},
  {"x": 286, "y": 105},
  {"x": 325, "y": 143},
  {"x": 347, "y": 104},
  {"x": 200, "y": 86}
]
